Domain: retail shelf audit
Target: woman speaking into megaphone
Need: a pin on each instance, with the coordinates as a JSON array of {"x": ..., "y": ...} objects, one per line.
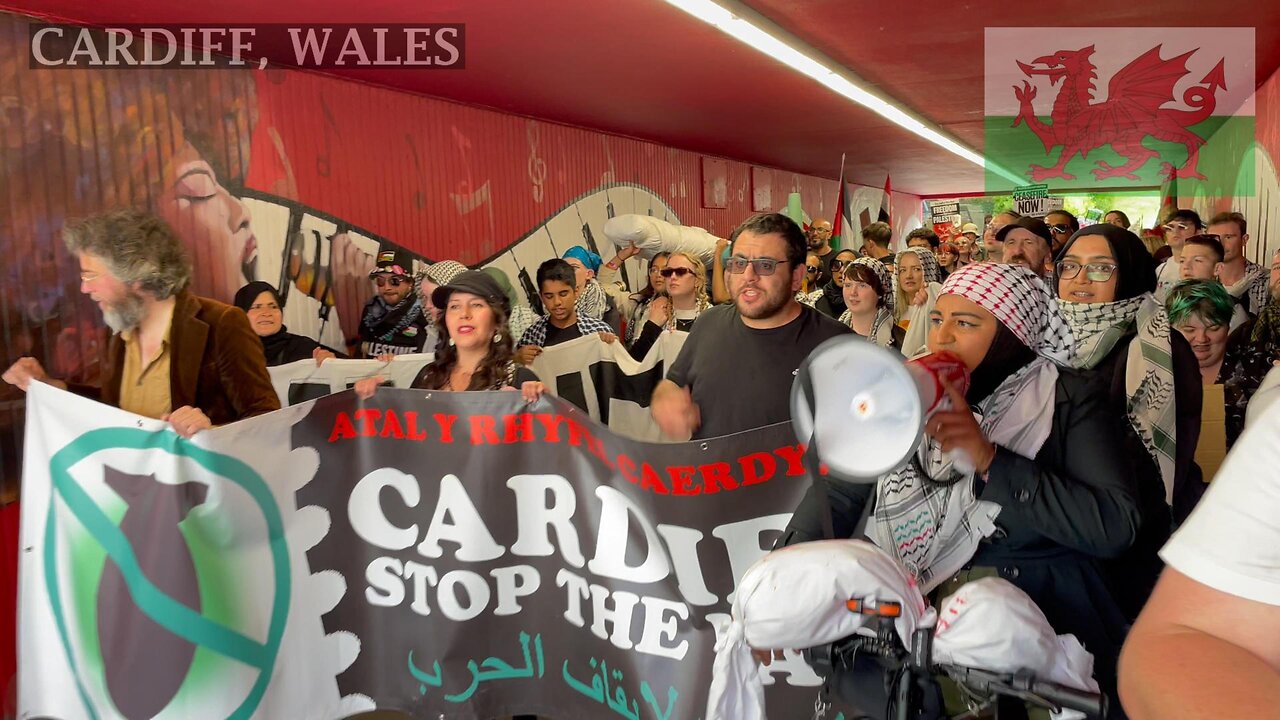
[{"x": 1050, "y": 491}]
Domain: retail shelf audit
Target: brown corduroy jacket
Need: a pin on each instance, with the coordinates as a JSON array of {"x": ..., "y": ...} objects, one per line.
[{"x": 217, "y": 363}]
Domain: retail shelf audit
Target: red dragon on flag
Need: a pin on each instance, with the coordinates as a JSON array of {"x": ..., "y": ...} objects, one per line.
[{"x": 1132, "y": 112}]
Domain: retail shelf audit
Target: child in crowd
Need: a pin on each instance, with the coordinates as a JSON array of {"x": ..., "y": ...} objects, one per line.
[{"x": 558, "y": 288}]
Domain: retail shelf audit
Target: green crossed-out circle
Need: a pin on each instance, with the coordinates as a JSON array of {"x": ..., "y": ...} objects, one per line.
[{"x": 164, "y": 610}]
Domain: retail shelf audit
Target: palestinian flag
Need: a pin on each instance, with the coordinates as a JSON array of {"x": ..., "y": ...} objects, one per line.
[
  {"x": 842, "y": 225},
  {"x": 886, "y": 203},
  {"x": 1119, "y": 109}
]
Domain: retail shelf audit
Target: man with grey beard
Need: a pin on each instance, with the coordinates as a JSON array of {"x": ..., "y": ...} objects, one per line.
[{"x": 173, "y": 356}]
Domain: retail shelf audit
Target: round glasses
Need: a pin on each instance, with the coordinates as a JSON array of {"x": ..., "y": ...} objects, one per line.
[{"x": 1096, "y": 272}]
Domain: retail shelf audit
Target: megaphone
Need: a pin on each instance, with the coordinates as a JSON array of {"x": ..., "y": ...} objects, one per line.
[{"x": 861, "y": 408}]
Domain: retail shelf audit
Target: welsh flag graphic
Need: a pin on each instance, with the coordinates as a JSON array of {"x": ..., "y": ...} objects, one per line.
[{"x": 1120, "y": 108}]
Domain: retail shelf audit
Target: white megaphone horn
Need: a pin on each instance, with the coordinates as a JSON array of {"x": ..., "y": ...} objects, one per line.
[{"x": 861, "y": 408}]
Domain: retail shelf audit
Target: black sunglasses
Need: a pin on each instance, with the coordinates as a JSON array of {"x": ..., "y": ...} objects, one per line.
[
  {"x": 812, "y": 268},
  {"x": 1059, "y": 228},
  {"x": 676, "y": 271},
  {"x": 393, "y": 282},
  {"x": 762, "y": 266}
]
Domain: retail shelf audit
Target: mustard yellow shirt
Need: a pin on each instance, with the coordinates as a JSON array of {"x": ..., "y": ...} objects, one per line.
[{"x": 145, "y": 390}]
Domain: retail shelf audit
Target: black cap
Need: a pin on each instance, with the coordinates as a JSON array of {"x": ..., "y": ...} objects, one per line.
[
  {"x": 476, "y": 283},
  {"x": 393, "y": 262},
  {"x": 1035, "y": 225}
]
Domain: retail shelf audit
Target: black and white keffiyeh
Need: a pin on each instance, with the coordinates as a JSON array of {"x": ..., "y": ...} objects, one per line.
[
  {"x": 1253, "y": 289},
  {"x": 934, "y": 529},
  {"x": 882, "y": 273},
  {"x": 1151, "y": 405},
  {"x": 928, "y": 262},
  {"x": 1020, "y": 300}
]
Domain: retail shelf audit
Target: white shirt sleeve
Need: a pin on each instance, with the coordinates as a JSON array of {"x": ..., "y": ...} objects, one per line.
[{"x": 1232, "y": 541}]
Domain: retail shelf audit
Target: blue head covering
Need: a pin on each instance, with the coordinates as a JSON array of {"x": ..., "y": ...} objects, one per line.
[{"x": 589, "y": 260}]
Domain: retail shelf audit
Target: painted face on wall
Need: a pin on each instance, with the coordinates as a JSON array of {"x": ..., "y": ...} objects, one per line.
[{"x": 213, "y": 224}]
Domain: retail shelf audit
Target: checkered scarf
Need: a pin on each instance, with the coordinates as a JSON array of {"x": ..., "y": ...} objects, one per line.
[
  {"x": 1151, "y": 405},
  {"x": 886, "y": 280},
  {"x": 928, "y": 262},
  {"x": 592, "y": 301},
  {"x": 1021, "y": 301},
  {"x": 933, "y": 529},
  {"x": 1252, "y": 289}
]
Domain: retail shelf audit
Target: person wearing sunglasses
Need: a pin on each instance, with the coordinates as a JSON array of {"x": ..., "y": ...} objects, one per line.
[
  {"x": 812, "y": 276},
  {"x": 393, "y": 322},
  {"x": 735, "y": 370},
  {"x": 634, "y": 307},
  {"x": 1104, "y": 282},
  {"x": 685, "y": 279},
  {"x": 829, "y": 298},
  {"x": 1181, "y": 225},
  {"x": 1062, "y": 225}
]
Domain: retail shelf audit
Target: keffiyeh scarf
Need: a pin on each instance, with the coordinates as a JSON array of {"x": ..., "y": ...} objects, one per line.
[
  {"x": 934, "y": 529},
  {"x": 1151, "y": 405},
  {"x": 1251, "y": 289},
  {"x": 383, "y": 323},
  {"x": 592, "y": 301},
  {"x": 881, "y": 327},
  {"x": 928, "y": 262}
]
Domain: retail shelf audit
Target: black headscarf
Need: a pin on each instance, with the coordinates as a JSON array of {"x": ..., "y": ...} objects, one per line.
[
  {"x": 1135, "y": 268},
  {"x": 247, "y": 294},
  {"x": 1006, "y": 356},
  {"x": 282, "y": 346}
]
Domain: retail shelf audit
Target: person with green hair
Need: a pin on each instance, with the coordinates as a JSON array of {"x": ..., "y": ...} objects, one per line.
[
  {"x": 522, "y": 316},
  {"x": 1201, "y": 310}
]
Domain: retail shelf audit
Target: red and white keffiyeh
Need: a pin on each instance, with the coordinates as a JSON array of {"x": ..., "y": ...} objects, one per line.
[{"x": 1021, "y": 301}]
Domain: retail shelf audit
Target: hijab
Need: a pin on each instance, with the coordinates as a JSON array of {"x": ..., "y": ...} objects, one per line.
[
  {"x": 1150, "y": 399},
  {"x": 934, "y": 528}
]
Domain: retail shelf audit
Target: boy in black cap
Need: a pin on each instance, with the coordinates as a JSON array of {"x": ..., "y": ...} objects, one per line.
[{"x": 393, "y": 322}]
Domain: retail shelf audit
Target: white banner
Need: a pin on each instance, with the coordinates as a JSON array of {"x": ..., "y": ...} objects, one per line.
[
  {"x": 603, "y": 378},
  {"x": 303, "y": 380}
]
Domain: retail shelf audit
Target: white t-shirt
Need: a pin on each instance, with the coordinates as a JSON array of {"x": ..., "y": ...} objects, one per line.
[
  {"x": 1167, "y": 275},
  {"x": 1231, "y": 542}
]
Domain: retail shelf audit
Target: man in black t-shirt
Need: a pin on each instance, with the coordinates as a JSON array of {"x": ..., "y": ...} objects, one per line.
[{"x": 736, "y": 369}]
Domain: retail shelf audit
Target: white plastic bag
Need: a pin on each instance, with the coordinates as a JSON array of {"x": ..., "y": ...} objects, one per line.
[
  {"x": 993, "y": 625},
  {"x": 653, "y": 236},
  {"x": 797, "y": 597}
]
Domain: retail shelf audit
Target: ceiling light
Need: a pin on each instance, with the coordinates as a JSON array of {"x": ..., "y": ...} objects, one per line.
[{"x": 763, "y": 36}]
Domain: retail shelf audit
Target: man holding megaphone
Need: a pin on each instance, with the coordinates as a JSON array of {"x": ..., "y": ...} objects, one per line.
[
  {"x": 1044, "y": 491},
  {"x": 736, "y": 368}
]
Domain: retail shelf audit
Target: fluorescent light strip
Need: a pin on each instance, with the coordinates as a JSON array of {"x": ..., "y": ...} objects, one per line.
[{"x": 760, "y": 39}]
